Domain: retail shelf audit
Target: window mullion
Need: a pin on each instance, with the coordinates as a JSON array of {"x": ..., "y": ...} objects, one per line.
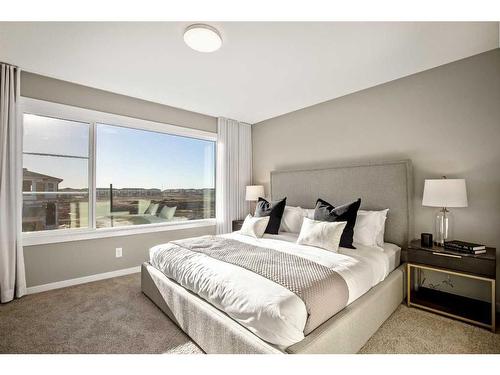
[{"x": 92, "y": 175}]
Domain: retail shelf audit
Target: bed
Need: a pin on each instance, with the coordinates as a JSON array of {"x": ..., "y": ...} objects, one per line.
[{"x": 238, "y": 314}]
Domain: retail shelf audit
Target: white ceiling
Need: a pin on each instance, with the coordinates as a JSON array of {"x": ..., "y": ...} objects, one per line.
[{"x": 262, "y": 70}]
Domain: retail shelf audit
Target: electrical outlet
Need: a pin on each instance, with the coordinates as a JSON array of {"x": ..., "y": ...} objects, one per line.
[{"x": 119, "y": 252}]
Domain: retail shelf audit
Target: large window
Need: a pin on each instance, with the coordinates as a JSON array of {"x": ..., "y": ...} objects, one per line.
[
  {"x": 146, "y": 177},
  {"x": 86, "y": 171}
]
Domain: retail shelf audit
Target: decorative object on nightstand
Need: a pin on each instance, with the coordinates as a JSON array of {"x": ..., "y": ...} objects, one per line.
[
  {"x": 426, "y": 239},
  {"x": 252, "y": 194},
  {"x": 472, "y": 268},
  {"x": 444, "y": 193},
  {"x": 237, "y": 224},
  {"x": 465, "y": 247}
]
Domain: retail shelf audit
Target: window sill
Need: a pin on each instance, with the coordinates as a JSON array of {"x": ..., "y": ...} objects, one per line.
[{"x": 69, "y": 235}]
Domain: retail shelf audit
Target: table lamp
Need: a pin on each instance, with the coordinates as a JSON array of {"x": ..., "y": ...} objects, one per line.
[
  {"x": 444, "y": 193},
  {"x": 252, "y": 194}
]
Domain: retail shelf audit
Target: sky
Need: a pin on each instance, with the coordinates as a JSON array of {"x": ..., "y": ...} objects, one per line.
[{"x": 124, "y": 157}]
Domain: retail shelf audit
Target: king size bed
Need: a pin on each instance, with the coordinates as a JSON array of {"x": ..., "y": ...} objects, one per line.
[{"x": 240, "y": 294}]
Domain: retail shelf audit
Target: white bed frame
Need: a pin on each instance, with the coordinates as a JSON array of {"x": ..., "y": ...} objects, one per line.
[{"x": 380, "y": 185}]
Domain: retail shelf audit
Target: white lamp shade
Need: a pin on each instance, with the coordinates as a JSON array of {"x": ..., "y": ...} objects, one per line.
[
  {"x": 254, "y": 192},
  {"x": 445, "y": 193}
]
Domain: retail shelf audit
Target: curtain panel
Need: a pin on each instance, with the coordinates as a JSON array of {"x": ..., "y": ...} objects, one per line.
[
  {"x": 234, "y": 171},
  {"x": 12, "y": 276}
]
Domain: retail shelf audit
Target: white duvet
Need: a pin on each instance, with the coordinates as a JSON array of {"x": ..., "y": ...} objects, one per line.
[{"x": 268, "y": 309}]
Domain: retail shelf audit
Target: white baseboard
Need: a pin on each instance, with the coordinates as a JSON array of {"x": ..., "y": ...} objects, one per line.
[{"x": 82, "y": 280}]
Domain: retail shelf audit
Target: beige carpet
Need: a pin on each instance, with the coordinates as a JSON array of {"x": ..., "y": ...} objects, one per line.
[
  {"x": 109, "y": 316},
  {"x": 414, "y": 331},
  {"x": 113, "y": 316}
]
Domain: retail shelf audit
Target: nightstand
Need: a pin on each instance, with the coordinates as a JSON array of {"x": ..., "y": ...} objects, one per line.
[
  {"x": 479, "y": 269},
  {"x": 237, "y": 224}
]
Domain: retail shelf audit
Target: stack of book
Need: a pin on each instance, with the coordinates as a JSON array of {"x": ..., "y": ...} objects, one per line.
[{"x": 465, "y": 247}]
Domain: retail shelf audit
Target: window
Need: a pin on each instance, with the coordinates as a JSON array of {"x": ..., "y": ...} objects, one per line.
[
  {"x": 92, "y": 172},
  {"x": 55, "y": 173},
  {"x": 26, "y": 185},
  {"x": 146, "y": 177}
]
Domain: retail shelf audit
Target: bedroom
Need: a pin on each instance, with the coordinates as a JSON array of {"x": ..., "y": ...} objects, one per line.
[{"x": 165, "y": 184}]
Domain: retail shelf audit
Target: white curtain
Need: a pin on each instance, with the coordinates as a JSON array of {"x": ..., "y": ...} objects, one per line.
[
  {"x": 12, "y": 278},
  {"x": 234, "y": 171}
]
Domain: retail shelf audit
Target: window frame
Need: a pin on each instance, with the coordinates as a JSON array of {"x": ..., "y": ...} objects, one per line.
[{"x": 92, "y": 117}]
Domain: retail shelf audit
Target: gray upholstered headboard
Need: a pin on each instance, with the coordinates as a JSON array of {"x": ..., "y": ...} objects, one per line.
[{"x": 379, "y": 185}]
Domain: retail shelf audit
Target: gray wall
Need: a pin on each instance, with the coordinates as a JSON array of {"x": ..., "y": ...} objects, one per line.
[
  {"x": 446, "y": 120},
  {"x": 68, "y": 260},
  {"x": 62, "y": 261},
  {"x": 54, "y": 90}
]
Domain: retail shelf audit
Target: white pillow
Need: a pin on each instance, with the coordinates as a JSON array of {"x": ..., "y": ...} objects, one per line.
[
  {"x": 381, "y": 233},
  {"x": 292, "y": 219},
  {"x": 309, "y": 213},
  {"x": 366, "y": 228},
  {"x": 370, "y": 227},
  {"x": 254, "y": 226},
  {"x": 323, "y": 234},
  {"x": 167, "y": 212}
]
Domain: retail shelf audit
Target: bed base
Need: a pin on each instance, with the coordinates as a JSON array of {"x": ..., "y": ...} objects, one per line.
[{"x": 215, "y": 332}]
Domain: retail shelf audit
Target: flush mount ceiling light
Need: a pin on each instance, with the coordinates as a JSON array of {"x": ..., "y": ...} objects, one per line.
[{"x": 202, "y": 38}]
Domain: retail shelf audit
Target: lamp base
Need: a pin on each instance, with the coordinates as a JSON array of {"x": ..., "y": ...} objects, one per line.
[
  {"x": 442, "y": 227},
  {"x": 253, "y": 206}
]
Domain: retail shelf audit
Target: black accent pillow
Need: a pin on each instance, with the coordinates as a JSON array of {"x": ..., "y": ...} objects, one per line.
[
  {"x": 272, "y": 209},
  {"x": 324, "y": 211}
]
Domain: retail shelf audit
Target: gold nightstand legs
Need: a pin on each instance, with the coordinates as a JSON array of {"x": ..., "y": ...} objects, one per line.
[
  {"x": 493, "y": 306},
  {"x": 408, "y": 285}
]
